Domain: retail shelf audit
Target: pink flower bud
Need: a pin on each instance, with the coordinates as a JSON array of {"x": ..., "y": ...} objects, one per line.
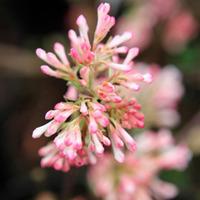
[
  {"x": 103, "y": 8},
  {"x": 98, "y": 146},
  {"x": 53, "y": 60},
  {"x": 41, "y": 54},
  {"x": 118, "y": 154},
  {"x": 51, "y": 114},
  {"x": 103, "y": 121},
  {"x": 106, "y": 141},
  {"x": 63, "y": 116},
  {"x": 147, "y": 78},
  {"x": 52, "y": 129},
  {"x": 117, "y": 66},
  {"x": 58, "y": 164},
  {"x": 72, "y": 93},
  {"x": 132, "y": 53},
  {"x": 83, "y": 108},
  {"x": 60, "y": 51},
  {"x": 48, "y": 71},
  {"x": 84, "y": 73},
  {"x": 92, "y": 127},
  {"x": 117, "y": 40},
  {"x": 129, "y": 141},
  {"x": 63, "y": 106},
  {"x": 83, "y": 29},
  {"x": 78, "y": 140}
]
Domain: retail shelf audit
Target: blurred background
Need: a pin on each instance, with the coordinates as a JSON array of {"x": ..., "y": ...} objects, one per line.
[{"x": 167, "y": 32}]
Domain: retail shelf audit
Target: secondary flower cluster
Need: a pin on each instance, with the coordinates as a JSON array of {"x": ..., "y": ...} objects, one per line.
[
  {"x": 176, "y": 24},
  {"x": 163, "y": 95},
  {"x": 138, "y": 177},
  {"x": 94, "y": 113}
]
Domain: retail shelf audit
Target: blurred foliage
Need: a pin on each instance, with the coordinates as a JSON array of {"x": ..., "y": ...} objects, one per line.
[{"x": 188, "y": 61}]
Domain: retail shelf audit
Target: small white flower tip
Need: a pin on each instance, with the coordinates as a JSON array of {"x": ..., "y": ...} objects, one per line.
[
  {"x": 71, "y": 33},
  {"x": 133, "y": 86},
  {"x": 128, "y": 35},
  {"x": 148, "y": 78},
  {"x": 40, "y": 52},
  {"x": 105, "y": 7},
  {"x": 136, "y": 87},
  {"x": 106, "y": 141},
  {"x": 81, "y": 20},
  {"x": 37, "y": 133},
  {"x": 40, "y": 130},
  {"x": 58, "y": 46},
  {"x": 119, "y": 157},
  {"x": 50, "y": 56},
  {"x": 44, "y": 68},
  {"x": 122, "y": 49}
]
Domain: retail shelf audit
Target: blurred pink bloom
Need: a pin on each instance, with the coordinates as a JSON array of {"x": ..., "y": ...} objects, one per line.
[
  {"x": 179, "y": 30},
  {"x": 138, "y": 178},
  {"x": 140, "y": 27},
  {"x": 163, "y": 9},
  {"x": 163, "y": 93},
  {"x": 179, "y": 26},
  {"x": 169, "y": 92}
]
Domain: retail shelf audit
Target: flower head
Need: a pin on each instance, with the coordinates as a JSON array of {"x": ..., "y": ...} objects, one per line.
[{"x": 94, "y": 114}]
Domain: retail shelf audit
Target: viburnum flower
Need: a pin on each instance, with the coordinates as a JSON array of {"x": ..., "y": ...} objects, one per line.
[
  {"x": 179, "y": 31},
  {"x": 94, "y": 114},
  {"x": 137, "y": 178}
]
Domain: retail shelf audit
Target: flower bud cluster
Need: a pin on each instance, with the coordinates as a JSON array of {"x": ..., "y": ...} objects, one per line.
[{"x": 94, "y": 114}]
